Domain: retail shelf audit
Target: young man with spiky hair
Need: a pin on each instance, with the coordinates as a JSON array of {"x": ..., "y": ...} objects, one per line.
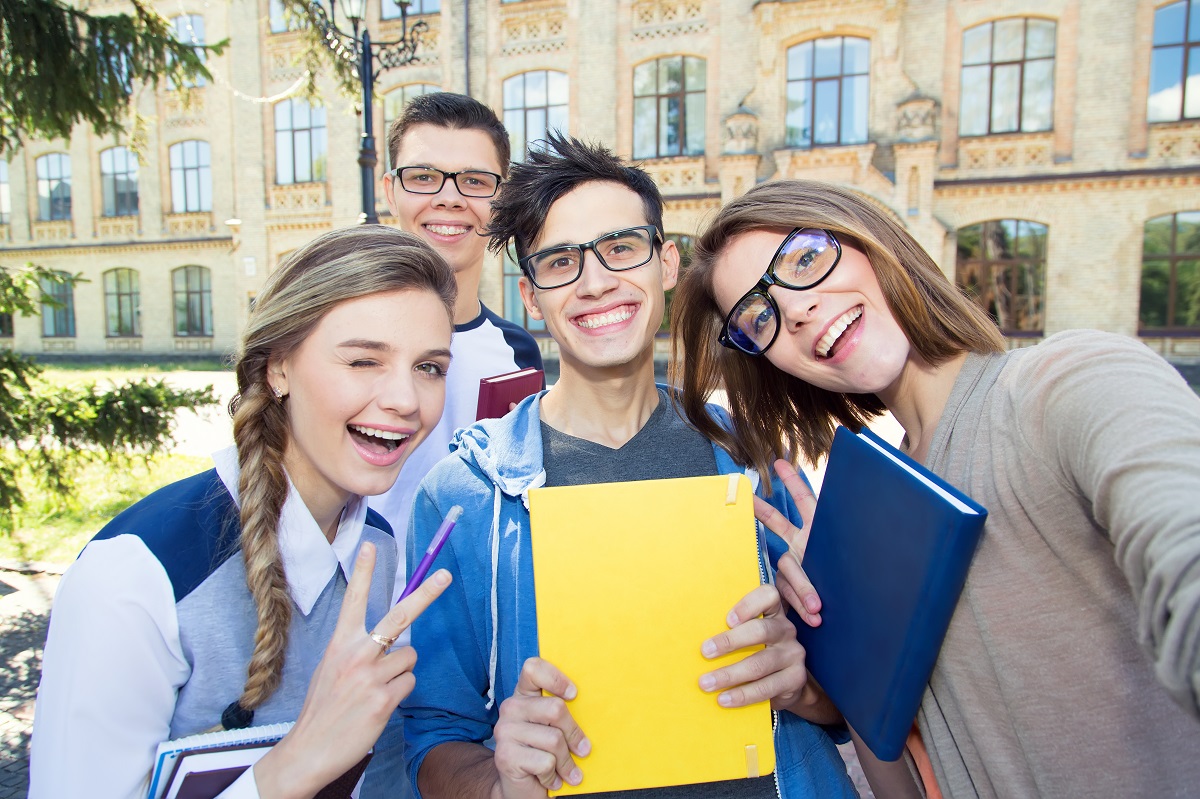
[{"x": 588, "y": 232}]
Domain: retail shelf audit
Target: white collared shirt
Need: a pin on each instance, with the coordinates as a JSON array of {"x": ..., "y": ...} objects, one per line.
[{"x": 113, "y": 662}]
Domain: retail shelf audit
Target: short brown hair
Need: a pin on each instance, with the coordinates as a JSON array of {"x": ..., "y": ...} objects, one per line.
[
  {"x": 775, "y": 414},
  {"x": 453, "y": 111}
]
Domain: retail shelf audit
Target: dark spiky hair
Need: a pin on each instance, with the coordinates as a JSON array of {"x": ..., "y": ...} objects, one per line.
[{"x": 551, "y": 171}]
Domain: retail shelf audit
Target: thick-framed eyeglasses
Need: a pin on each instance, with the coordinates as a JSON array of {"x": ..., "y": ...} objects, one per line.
[
  {"x": 804, "y": 259},
  {"x": 427, "y": 180},
  {"x": 616, "y": 251}
]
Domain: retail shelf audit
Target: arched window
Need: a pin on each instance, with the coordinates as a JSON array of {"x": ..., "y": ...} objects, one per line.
[
  {"x": 54, "y": 186},
  {"x": 193, "y": 301},
  {"x": 189, "y": 29},
  {"x": 119, "y": 181},
  {"x": 1175, "y": 63},
  {"x": 122, "y": 303},
  {"x": 391, "y": 8},
  {"x": 5, "y": 198},
  {"x": 191, "y": 177},
  {"x": 1170, "y": 301},
  {"x": 827, "y": 87},
  {"x": 534, "y": 104},
  {"x": 668, "y": 107},
  {"x": 1007, "y": 77},
  {"x": 1002, "y": 266},
  {"x": 58, "y": 314},
  {"x": 393, "y": 105},
  {"x": 299, "y": 142}
]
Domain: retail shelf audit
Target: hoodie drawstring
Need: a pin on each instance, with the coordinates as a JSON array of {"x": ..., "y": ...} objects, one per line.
[{"x": 495, "y": 607}]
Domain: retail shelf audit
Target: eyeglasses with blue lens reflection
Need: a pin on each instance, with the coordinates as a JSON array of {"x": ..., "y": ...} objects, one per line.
[{"x": 804, "y": 259}]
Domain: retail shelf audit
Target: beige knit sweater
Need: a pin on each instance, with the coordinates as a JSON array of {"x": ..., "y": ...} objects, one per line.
[{"x": 1072, "y": 664}]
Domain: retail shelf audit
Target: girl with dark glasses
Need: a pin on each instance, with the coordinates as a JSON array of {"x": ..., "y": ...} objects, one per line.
[{"x": 1071, "y": 666}]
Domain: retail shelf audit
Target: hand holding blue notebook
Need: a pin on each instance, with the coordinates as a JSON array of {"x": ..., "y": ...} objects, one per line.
[{"x": 888, "y": 553}]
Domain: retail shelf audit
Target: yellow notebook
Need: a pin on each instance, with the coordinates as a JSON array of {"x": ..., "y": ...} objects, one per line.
[{"x": 631, "y": 579}]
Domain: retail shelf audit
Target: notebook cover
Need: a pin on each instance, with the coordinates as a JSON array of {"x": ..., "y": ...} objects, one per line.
[
  {"x": 888, "y": 557},
  {"x": 631, "y": 578},
  {"x": 496, "y": 393},
  {"x": 207, "y": 784}
]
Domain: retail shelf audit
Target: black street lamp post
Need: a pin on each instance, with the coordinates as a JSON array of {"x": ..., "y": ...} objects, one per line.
[{"x": 357, "y": 48}]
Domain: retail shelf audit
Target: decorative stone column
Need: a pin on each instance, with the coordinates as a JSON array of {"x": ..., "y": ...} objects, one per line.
[
  {"x": 916, "y": 164},
  {"x": 739, "y": 155}
]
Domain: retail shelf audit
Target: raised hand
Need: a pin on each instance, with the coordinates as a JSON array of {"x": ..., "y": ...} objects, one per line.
[
  {"x": 353, "y": 692},
  {"x": 793, "y": 583},
  {"x": 536, "y": 735}
]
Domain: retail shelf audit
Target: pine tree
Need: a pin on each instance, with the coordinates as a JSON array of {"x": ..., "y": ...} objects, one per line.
[{"x": 60, "y": 65}]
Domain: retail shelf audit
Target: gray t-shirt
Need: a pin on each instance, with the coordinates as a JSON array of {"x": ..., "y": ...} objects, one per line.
[{"x": 665, "y": 447}]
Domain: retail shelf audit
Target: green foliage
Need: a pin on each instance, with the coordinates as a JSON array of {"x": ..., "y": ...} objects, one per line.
[
  {"x": 60, "y": 66},
  {"x": 52, "y": 430}
]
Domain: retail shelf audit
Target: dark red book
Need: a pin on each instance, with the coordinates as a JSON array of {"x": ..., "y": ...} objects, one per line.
[{"x": 499, "y": 392}]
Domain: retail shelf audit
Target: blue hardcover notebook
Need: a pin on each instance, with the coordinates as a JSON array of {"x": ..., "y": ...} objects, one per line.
[{"x": 889, "y": 552}]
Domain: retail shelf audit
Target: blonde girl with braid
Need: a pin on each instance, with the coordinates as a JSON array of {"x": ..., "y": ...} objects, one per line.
[{"x": 259, "y": 592}]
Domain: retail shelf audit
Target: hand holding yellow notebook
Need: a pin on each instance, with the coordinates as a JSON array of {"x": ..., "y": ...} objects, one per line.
[{"x": 631, "y": 578}]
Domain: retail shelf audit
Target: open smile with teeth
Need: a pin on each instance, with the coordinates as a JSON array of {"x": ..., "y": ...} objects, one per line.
[
  {"x": 375, "y": 439},
  {"x": 825, "y": 345},
  {"x": 448, "y": 230},
  {"x": 593, "y": 321}
]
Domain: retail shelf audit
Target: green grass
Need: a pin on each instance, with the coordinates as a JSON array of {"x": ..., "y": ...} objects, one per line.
[{"x": 47, "y": 531}]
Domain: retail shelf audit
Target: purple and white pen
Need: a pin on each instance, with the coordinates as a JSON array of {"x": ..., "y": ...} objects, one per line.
[{"x": 431, "y": 552}]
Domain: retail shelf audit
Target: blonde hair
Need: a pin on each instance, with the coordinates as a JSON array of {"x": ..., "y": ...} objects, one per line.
[
  {"x": 338, "y": 266},
  {"x": 773, "y": 413}
]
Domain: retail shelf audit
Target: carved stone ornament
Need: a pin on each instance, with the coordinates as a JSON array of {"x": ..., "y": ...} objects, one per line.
[
  {"x": 916, "y": 119},
  {"x": 741, "y": 133}
]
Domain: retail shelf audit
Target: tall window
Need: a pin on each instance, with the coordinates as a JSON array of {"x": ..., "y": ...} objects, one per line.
[
  {"x": 54, "y": 186},
  {"x": 58, "y": 316},
  {"x": 193, "y": 301},
  {"x": 282, "y": 21},
  {"x": 299, "y": 142},
  {"x": 1175, "y": 63},
  {"x": 119, "y": 181},
  {"x": 191, "y": 177},
  {"x": 394, "y": 103},
  {"x": 534, "y": 104},
  {"x": 189, "y": 29},
  {"x": 1008, "y": 77},
  {"x": 391, "y": 8},
  {"x": 5, "y": 199},
  {"x": 1171, "y": 274},
  {"x": 827, "y": 85},
  {"x": 6, "y": 325},
  {"x": 122, "y": 303},
  {"x": 668, "y": 107},
  {"x": 514, "y": 308},
  {"x": 1002, "y": 266}
]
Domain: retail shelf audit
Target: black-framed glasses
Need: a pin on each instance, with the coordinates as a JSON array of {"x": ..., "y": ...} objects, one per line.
[
  {"x": 617, "y": 251},
  {"x": 428, "y": 180},
  {"x": 804, "y": 259}
]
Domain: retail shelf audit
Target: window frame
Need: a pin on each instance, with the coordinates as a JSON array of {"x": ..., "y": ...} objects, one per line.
[
  {"x": 519, "y": 135},
  {"x": 1172, "y": 258},
  {"x": 992, "y": 66},
  {"x": 51, "y": 208},
  {"x": 1189, "y": 62},
  {"x": 682, "y": 95},
  {"x": 62, "y": 315},
  {"x": 416, "y": 8},
  {"x": 128, "y": 301},
  {"x": 813, "y": 80},
  {"x": 188, "y": 28},
  {"x": 193, "y": 327},
  {"x": 406, "y": 97},
  {"x": 180, "y": 176},
  {"x": 514, "y": 307},
  {"x": 124, "y": 202},
  {"x": 1012, "y": 268},
  {"x": 314, "y": 135}
]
